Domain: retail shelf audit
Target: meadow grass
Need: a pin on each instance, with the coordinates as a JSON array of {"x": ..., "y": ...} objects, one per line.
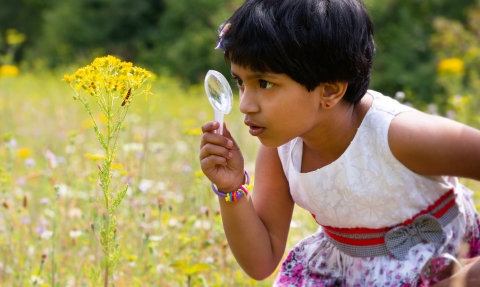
[{"x": 168, "y": 226}]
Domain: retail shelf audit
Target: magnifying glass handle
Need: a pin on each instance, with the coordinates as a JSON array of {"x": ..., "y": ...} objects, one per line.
[{"x": 219, "y": 119}]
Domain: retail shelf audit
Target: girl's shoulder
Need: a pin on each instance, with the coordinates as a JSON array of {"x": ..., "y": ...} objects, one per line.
[
  {"x": 387, "y": 104},
  {"x": 434, "y": 145}
]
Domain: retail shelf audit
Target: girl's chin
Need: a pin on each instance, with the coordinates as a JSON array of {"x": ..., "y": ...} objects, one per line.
[{"x": 270, "y": 143}]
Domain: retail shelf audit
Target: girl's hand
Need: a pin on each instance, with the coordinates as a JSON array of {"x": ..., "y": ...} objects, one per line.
[
  {"x": 468, "y": 275},
  {"x": 221, "y": 159}
]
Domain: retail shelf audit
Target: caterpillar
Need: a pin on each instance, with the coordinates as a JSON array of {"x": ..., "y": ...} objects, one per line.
[{"x": 127, "y": 97}]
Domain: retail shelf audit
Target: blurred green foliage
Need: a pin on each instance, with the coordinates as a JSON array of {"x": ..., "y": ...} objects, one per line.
[
  {"x": 176, "y": 38},
  {"x": 405, "y": 60},
  {"x": 457, "y": 46}
]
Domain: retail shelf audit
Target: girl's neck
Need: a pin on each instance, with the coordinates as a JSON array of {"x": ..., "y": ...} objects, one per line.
[{"x": 330, "y": 140}]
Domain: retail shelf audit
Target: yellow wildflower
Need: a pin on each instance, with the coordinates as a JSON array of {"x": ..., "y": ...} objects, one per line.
[
  {"x": 24, "y": 153},
  {"x": 117, "y": 166},
  {"x": 155, "y": 212},
  {"x": 14, "y": 38},
  {"x": 8, "y": 70},
  {"x": 109, "y": 75},
  {"x": 199, "y": 173},
  {"x": 94, "y": 157},
  {"x": 197, "y": 131},
  {"x": 132, "y": 258},
  {"x": 152, "y": 244},
  {"x": 188, "y": 122},
  {"x": 103, "y": 119},
  {"x": 86, "y": 124},
  {"x": 451, "y": 65}
]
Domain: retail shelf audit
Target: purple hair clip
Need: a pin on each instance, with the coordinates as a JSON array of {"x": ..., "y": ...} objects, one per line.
[{"x": 222, "y": 33}]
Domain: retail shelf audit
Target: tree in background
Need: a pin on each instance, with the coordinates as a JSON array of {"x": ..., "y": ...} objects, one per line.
[
  {"x": 169, "y": 36},
  {"x": 405, "y": 60},
  {"x": 186, "y": 37},
  {"x": 78, "y": 29},
  {"x": 176, "y": 37},
  {"x": 25, "y": 17}
]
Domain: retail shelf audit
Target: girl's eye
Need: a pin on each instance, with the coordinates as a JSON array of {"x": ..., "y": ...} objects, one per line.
[
  {"x": 265, "y": 84},
  {"x": 239, "y": 82}
]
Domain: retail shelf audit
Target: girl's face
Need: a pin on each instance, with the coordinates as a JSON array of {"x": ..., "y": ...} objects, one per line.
[{"x": 276, "y": 108}]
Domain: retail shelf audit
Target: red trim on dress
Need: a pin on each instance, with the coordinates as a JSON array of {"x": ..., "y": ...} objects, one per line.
[{"x": 381, "y": 240}]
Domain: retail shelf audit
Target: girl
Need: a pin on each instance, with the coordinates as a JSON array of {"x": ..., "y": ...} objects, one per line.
[{"x": 377, "y": 176}]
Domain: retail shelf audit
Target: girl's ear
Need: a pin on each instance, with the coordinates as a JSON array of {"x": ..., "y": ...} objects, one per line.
[{"x": 332, "y": 93}]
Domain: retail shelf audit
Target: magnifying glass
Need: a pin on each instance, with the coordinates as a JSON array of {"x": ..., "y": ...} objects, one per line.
[{"x": 220, "y": 96}]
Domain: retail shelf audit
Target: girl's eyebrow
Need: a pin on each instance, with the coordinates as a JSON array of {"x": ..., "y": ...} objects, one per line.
[{"x": 257, "y": 75}]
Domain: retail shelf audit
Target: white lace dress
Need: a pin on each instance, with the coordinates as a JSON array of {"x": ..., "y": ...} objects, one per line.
[{"x": 367, "y": 190}]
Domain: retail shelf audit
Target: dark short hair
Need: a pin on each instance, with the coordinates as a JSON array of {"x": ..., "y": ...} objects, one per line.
[{"x": 312, "y": 41}]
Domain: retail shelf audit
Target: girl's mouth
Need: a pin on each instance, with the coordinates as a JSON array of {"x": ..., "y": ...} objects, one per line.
[{"x": 256, "y": 131}]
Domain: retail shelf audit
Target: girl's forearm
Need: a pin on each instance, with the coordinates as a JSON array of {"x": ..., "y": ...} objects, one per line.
[{"x": 255, "y": 249}]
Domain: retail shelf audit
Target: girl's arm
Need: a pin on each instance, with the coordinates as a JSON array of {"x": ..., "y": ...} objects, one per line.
[
  {"x": 432, "y": 145},
  {"x": 257, "y": 228},
  {"x": 468, "y": 275}
]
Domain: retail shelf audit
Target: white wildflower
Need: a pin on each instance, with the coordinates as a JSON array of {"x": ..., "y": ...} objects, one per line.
[
  {"x": 48, "y": 212},
  {"x": 399, "y": 96},
  {"x": 182, "y": 147},
  {"x": 155, "y": 238},
  {"x": 145, "y": 185},
  {"x": 51, "y": 159},
  {"x": 132, "y": 147},
  {"x": 75, "y": 233},
  {"x": 75, "y": 213},
  {"x": 46, "y": 234},
  {"x": 160, "y": 186},
  {"x": 36, "y": 280},
  {"x": 203, "y": 224}
]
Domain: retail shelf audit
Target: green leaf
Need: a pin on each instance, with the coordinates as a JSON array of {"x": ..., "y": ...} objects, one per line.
[
  {"x": 199, "y": 267},
  {"x": 179, "y": 264},
  {"x": 118, "y": 198}
]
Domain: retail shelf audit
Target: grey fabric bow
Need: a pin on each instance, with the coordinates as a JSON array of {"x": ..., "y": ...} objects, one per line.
[{"x": 400, "y": 239}]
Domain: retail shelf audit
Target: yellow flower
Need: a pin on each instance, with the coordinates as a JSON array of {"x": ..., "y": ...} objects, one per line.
[
  {"x": 8, "y": 70},
  {"x": 188, "y": 122},
  {"x": 451, "y": 65},
  {"x": 155, "y": 212},
  {"x": 103, "y": 119},
  {"x": 197, "y": 131},
  {"x": 199, "y": 173},
  {"x": 14, "y": 38},
  {"x": 24, "y": 153},
  {"x": 86, "y": 124},
  {"x": 152, "y": 244},
  {"x": 117, "y": 166},
  {"x": 94, "y": 157},
  {"x": 109, "y": 76},
  {"x": 132, "y": 258}
]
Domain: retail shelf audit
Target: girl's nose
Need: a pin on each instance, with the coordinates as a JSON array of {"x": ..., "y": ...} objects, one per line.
[{"x": 248, "y": 102}]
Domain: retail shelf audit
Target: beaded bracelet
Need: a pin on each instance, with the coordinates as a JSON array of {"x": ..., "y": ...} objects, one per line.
[{"x": 234, "y": 195}]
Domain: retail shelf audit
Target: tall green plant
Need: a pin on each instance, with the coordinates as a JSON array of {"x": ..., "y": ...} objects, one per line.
[{"x": 111, "y": 84}]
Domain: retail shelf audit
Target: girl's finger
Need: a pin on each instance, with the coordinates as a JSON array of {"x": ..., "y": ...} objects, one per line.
[
  {"x": 228, "y": 135},
  {"x": 216, "y": 139},
  {"x": 212, "y": 161},
  {"x": 216, "y": 150},
  {"x": 209, "y": 127}
]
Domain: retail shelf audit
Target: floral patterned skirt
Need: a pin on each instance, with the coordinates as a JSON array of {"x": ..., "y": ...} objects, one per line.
[{"x": 315, "y": 261}]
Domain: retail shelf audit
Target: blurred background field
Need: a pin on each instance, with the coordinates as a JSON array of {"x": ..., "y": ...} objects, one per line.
[{"x": 168, "y": 227}]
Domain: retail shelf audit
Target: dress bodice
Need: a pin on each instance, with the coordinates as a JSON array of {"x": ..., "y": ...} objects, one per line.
[{"x": 366, "y": 186}]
